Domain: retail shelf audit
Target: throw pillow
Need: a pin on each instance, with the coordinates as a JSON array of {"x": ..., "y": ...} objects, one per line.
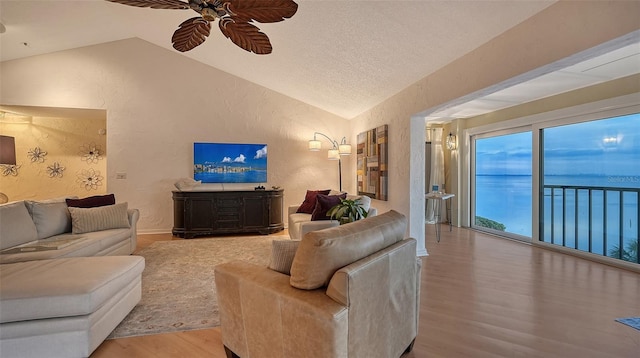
[
  {"x": 365, "y": 201},
  {"x": 282, "y": 254},
  {"x": 323, "y": 204},
  {"x": 85, "y": 220},
  {"x": 51, "y": 218},
  {"x": 16, "y": 225},
  {"x": 92, "y": 201},
  {"x": 309, "y": 203}
]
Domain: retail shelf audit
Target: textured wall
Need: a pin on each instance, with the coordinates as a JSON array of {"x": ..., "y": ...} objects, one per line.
[
  {"x": 158, "y": 103},
  {"x": 62, "y": 141}
]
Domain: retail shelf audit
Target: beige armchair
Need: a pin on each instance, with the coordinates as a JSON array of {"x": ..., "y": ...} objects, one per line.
[
  {"x": 354, "y": 291},
  {"x": 300, "y": 223}
]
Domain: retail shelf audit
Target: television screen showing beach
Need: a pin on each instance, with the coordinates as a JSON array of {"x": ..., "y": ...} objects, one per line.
[{"x": 230, "y": 162}]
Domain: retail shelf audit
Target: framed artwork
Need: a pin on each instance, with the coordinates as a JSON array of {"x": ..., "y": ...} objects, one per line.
[{"x": 372, "y": 169}]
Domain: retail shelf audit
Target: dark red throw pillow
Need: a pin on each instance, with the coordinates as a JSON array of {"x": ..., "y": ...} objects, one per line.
[
  {"x": 324, "y": 203},
  {"x": 92, "y": 201},
  {"x": 309, "y": 203}
]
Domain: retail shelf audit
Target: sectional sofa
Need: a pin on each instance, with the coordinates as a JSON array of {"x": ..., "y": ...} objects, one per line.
[
  {"x": 68, "y": 276},
  {"x": 38, "y": 230}
]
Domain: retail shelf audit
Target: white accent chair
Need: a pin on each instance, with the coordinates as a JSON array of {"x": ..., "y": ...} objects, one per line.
[{"x": 300, "y": 223}]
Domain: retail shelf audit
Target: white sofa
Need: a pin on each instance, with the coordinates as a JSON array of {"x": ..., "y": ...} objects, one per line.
[
  {"x": 27, "y": 228},
  {"x": 62, "y": 293},
  {"x": 300, "y": 223}
]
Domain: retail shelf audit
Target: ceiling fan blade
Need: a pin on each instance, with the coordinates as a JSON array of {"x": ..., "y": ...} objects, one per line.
[
  {"x": 261, "y": 10},
  {"x": 155, "y": 4},
  {"x": 191, "y": 34},
  {"x": 245, "y": 36}
]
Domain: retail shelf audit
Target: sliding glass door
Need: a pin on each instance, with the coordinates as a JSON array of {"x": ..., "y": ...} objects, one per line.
[
  {"x": 590, "y": 177},
  {"x": 568, "y": 179},
  {"x": 502, "y": 183}
]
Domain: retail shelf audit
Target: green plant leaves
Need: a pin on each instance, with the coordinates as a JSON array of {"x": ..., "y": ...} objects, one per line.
[{"x": 352, "y": 210}]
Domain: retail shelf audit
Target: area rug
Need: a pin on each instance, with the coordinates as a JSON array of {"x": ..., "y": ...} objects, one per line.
[
  {"x": 630, "y": 321},
  {"x": 178, "y": 289}
]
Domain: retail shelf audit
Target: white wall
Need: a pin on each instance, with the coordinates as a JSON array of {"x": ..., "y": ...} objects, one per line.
[{"x": 158, "y": 103}]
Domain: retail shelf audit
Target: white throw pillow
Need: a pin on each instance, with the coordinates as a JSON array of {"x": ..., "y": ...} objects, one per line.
[
  {"x": 16, "y": 225},
  {"x": 85, "y": 220},
  {"x": 365, "y": 201},
  {"x": 50, "y": 217}
]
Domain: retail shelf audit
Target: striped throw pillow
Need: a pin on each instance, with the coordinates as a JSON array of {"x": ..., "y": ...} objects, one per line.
[
  {"x": 282, "y": 253},
  {"x": 85, "y": 220}
]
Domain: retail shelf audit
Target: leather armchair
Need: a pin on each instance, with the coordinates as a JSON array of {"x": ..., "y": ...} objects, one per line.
[{"x": 354, "y": 291}]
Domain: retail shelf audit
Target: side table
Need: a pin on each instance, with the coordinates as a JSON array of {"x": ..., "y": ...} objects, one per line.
[{"x": 439, "y": 198}]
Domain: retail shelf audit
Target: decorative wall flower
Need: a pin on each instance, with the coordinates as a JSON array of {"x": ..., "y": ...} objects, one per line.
[
  {"x": 55, "y": 170},
  {"x": 91, "y": 153},
  {"x": 36, "y": 155},
  {"x": 91, "y": 179},
  {"x": 9, "y": 169}
]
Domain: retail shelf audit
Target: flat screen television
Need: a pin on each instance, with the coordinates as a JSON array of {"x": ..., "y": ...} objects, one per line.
[{"x": 230, "y": 163}]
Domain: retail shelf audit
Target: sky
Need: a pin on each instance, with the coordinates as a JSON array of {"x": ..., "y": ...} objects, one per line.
[
  {"x": 504, "y": 155},
  {"x": 604, "y": 147},
  {"x": 608, "y": 147}
]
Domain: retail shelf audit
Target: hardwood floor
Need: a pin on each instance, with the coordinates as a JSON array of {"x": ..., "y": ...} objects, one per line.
[{"x": 481, "y": 296}]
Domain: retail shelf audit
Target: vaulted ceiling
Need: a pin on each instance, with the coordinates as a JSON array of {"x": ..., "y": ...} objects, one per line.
[{"x": 342, "y": 56}]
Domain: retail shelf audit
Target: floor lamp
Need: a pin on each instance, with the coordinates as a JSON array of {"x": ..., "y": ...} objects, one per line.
[
  {"x": 7, "y": 157},
  {"x": 335, "y": 153}
]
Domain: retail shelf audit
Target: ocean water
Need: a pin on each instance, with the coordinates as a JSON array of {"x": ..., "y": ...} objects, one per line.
[{"x": 507, "y": 200}]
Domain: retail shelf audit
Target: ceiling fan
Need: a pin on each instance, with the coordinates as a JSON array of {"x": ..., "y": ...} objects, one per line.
[{"x": 235, "y": 20}]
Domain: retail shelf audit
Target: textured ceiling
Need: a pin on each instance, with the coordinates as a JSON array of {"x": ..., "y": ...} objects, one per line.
[
  {"x": 610, "y": 65},
  {"x": 342, "y": 56}
]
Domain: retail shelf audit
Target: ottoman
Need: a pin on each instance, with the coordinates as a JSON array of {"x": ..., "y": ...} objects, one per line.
[{"x": 65, "y": 307}]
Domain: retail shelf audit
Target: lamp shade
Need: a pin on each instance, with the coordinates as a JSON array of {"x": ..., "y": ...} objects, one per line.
[
  {"x": 333, "y": 154},
  {"x": 345, "y": 149},
  {"x": 314, "y": 145},
  {"x": 7, "y": 150}
]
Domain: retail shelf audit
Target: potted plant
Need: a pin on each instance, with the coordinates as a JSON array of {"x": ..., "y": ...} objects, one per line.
[{"x": 347, "y": 211}]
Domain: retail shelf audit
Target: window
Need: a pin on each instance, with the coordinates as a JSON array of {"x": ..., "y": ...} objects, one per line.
[
  {"x": 585, "y": 178},
  {"x": 590, "y": 175},
  {"x": 502, "y": 182}
]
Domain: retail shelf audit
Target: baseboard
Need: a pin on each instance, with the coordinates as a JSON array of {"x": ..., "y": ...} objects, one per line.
[{"x": 589, "y": 256}]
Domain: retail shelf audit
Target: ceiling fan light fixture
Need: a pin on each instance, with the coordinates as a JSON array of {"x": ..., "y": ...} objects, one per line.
[
  {"x": 209, "y": 14},
  {"x": 236, "y": 20}
]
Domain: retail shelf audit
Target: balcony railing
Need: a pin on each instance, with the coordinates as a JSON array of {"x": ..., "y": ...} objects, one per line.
[{"x": 599, "y": 220}]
